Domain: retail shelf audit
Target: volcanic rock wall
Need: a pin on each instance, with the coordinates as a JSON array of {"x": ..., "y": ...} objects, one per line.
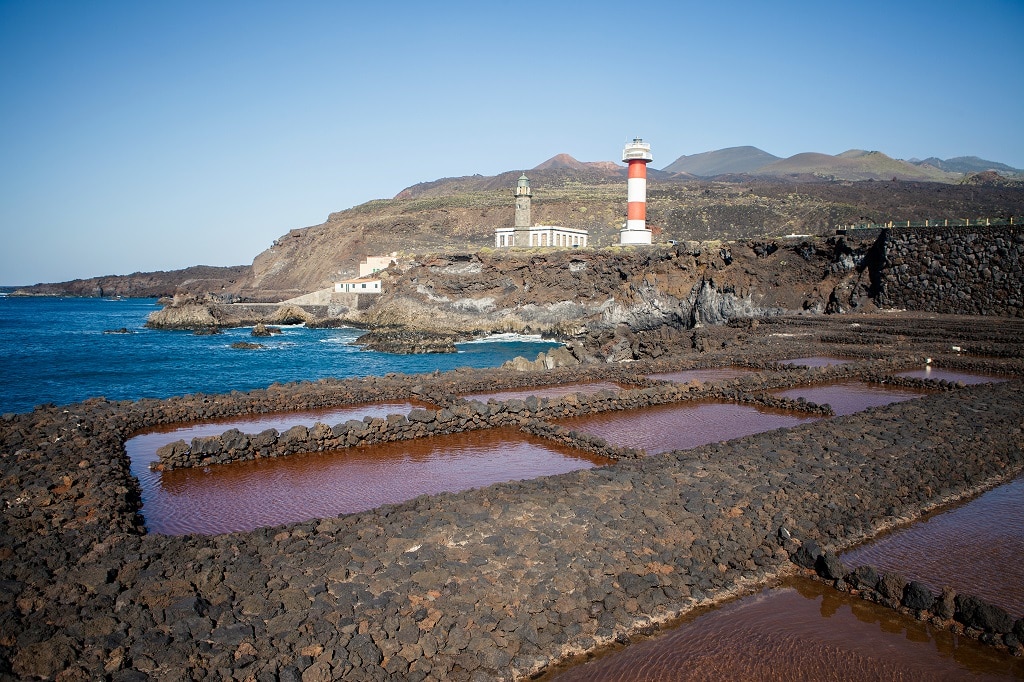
[{"x": 962, "y": 270}]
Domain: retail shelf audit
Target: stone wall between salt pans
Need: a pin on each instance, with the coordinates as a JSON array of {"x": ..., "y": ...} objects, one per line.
[
  {"x": 495, "y": 583},
  {"x": 461, "y": 415}
]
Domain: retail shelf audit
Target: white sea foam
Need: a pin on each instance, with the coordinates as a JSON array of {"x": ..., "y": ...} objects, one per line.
[
  {"x": 338, "y": 341},
  {"x": 507, "y": 337},
  {"x": 281, "y": 345}
]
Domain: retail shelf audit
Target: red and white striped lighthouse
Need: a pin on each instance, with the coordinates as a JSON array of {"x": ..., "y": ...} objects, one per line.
[{"x": 637, "y": 154}]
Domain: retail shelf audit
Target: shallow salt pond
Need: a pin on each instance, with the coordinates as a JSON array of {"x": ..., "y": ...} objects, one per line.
[
  {"x": 245, "y": 495},
  {"x": 976, "y": 548},
  {"x": 146, "y": 443},
  {"x": 142, "y": 446},
  {"x": 799, "y": 631},
  {"x": 545, "y": 391},
  {"x": 663, "y": 428},
  {"x": 849, "y": 396},
  {"x": 681, "y": 426},
  {"x": 803, "y": 629},
  {"x": 702, "y": 375},
  {"x": 937, "y": 374}
]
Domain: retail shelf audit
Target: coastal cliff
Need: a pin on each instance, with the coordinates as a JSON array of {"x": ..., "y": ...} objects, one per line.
[
  {"x": 569, "y": 293},
  {"x": 617, "y": 304},
  {"x": 563, "y": 292},
  {"x": 197, "y": 280}
]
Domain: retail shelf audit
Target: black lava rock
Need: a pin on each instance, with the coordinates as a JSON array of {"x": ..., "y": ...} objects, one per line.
[
  {"x": 917, "y": 596},
  {"x": 807, "y": 555}
]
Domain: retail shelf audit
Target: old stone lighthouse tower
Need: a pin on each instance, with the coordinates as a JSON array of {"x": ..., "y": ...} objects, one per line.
[
  {"x": 522, "y": 194},
  {"x": 525, "y": 235}
]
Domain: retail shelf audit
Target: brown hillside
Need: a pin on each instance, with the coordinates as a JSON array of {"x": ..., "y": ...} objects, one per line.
[
  {"x": 731, "y": 160},
  {"x": 445, "y": 218},
  {"x": 566, "y": 161},
  {"x": 854, "y": 164},
  {"x": 555, "y": 177},
  {"x": 560, "y": 161}
]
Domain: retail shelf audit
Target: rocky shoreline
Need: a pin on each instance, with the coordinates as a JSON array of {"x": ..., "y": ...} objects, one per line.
[
  {"x": 616, "y": 305},
  {"x": 500, "y": 582}
]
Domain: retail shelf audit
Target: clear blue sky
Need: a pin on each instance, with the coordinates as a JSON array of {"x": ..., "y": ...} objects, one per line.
[{"x": 140, "y": 136}]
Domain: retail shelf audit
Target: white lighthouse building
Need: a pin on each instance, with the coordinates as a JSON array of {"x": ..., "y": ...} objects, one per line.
[
  {"x": 527, "y": 235},
  {"x": 637, "y": 154}
]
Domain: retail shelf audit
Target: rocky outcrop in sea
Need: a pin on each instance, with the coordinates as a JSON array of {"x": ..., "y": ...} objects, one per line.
[{"x": 409, "y": 341}]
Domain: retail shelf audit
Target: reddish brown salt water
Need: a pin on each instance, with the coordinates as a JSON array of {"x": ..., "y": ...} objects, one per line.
[
  {"x": 800, "y": 631},
  {"x": 847, "y": 397},
  {"x": 247, "y": 495},
  {"x": 807, "y": 631},
  {"x": 546, "y": 391},
  {"x": 937, "y": 373},
  {"x": 142, "y": 447},
  {"x": 976, "y": 548},
  {"x": 702, "y": 375},
  {"x": 663, "y": 428}
]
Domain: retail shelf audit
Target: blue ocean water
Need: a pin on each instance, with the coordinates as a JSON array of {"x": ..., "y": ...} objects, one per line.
[{"x": 54, "y": 350}]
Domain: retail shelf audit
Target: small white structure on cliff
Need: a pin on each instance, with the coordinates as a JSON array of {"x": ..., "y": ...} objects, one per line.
[
  {"x": 366, "y": 283},
  {"x": 525, "y": 235},
  {"x": 361, "y": 285}
]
